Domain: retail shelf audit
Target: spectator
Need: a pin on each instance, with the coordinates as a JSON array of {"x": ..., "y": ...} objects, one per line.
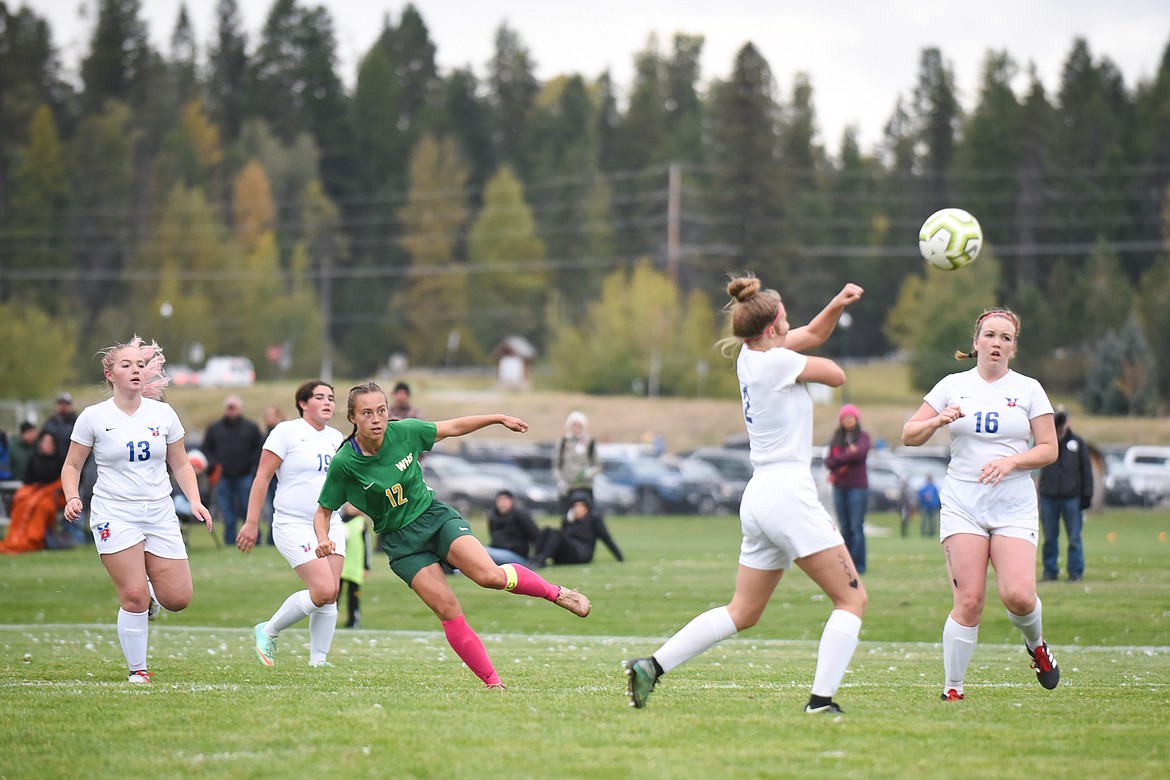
[
  {"x": 1066, "y": 488},
  {"x": 511, "y": 531},
  {"x": 232, "y": 446},
  {"x": 22, "y": 448},
  {"x": 845, "y": 460},
  {"x": 576, "y": 539},
  {"x": 36, "y": 503},
  {"x": 401, "y": 407},
  {"x": 575, "y": 460},
  {"x": 929, "y": 502},
  {"x": 62, "y": 422},
  {"x": 6, "y": 471},
  {"x": 357, "y": 563}
]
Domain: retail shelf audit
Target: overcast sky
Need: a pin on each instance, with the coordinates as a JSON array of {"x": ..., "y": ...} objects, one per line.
[{"x": 860, "y": 54}]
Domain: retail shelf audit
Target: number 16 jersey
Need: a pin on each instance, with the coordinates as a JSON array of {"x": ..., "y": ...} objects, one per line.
[{"x": 996, "y": 421}]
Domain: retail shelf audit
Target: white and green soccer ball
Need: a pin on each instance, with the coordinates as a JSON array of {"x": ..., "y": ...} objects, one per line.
[{"x": 950, "y": 239}]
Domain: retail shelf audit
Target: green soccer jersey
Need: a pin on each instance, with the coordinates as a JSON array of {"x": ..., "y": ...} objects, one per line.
[{"x": 387, "y": 487}]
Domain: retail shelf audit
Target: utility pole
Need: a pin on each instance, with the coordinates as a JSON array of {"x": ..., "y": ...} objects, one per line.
[{"x": 673, "y": 207}]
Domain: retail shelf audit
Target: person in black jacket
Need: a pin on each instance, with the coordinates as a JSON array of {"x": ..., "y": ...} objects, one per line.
[
  {"x": 511, "y": 531},
  {"x": 575, "y": 540},
  {"x": 1066, "y": 488},
  {"x": 232, "y": 446}
]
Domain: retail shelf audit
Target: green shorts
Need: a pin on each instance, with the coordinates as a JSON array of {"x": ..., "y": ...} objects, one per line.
[{"x": 425, "y": 541}]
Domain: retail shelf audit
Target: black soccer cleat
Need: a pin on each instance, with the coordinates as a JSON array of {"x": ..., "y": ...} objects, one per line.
[{"x": 1047, "y": 672}]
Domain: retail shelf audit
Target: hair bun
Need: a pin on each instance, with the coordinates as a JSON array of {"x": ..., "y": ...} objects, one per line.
[{"x": 743, "y": 288}]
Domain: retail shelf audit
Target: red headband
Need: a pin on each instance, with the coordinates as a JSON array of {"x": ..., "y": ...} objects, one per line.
[{"x": 760, "y": 335}]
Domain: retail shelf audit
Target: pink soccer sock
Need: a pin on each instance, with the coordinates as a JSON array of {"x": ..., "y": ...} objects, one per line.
[
  {"x": 468, "y": 646},
  {"x": 525, "y": 582}
]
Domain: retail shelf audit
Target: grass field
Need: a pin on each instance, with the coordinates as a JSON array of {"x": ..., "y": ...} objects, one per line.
[{"x": 398, "y": 703}]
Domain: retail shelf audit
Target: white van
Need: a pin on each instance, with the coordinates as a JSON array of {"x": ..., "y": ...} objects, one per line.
[
  {"x": 227, "y": 371},
  {"x": 1149, "y": 471}
]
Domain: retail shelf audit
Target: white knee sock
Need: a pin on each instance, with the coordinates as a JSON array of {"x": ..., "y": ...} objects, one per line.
[
  {"x": 700, "y": 635},
  {"x": 132, "y": 633},
  {"x": 1030, "y": 626},
  {"x": 838, "y": 641},
  {"x": 958, "y": 647},
  {"x": 295, "y": 608},
  {"x": 322, "y": 623}
]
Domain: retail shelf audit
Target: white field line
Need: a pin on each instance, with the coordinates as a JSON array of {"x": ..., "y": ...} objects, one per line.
[{"x": 560, "y": 639}]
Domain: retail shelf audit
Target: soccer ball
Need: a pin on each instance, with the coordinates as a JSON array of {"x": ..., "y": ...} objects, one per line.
[{"x": 950, "y": 239}]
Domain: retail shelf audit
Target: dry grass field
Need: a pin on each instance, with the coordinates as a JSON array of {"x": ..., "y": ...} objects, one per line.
[{"x": 880, "y": 389}]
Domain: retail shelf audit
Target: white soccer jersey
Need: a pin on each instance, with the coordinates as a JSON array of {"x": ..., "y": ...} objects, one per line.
[
  {"x": 996, "y": 419},
  {"x": 130, "y": 449},
  {"x": 776, "y": 408},
  {"x": 305, "y": 453}
]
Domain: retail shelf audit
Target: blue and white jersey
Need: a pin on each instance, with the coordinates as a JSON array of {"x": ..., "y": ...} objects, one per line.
[
  {"x": 996, "y": 421},
  {"x": 776, "y": 408},
  {"x": 305, "y": 454},
  {"x": 130, "y": 449}
]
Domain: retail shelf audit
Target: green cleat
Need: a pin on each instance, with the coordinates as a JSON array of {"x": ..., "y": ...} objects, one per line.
[
  {"x": 642, "y": 677},
  {"x": 265, "y": 645}
]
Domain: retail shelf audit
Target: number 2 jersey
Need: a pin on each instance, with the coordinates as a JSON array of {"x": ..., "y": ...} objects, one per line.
[
  {"x": 996, "y": 421},
  {"x": 130, "y": 449},
  {"x": 387, "y": 487}
]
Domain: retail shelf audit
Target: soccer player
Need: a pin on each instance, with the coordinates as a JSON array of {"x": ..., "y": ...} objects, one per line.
[
  {"x": 782, "y": 520},
  {"x": 297, "y": 452},
  {"x": 989, "y": 509},
  {"x": 134, "y": 436},
  {"x": 377, "y": 470}
]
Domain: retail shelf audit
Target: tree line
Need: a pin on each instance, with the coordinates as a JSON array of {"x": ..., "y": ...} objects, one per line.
[{"x": 242, "y": 200}]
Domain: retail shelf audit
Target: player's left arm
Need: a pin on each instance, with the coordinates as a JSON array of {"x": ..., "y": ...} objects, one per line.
[
  {"x": 821, "y": 327},
  {"x": 461, "y": 426},
  {"x": 1042, "y": 452}
]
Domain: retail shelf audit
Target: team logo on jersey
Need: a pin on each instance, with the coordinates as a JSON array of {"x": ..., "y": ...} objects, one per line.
[
  {"x": 153, "y": 431},
  {"x": 306, "y": 548},
  {"x": 104, "y": 532},
  {"x": 1010, "y": 401},
  {"x": 404, "y": 464}
]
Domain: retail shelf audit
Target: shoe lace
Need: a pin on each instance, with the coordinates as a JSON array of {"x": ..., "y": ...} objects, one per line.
[{"x": 1041, "y": 659}]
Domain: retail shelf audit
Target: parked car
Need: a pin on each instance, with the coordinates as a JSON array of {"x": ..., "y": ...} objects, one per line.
[
  {"x": 1149, "y": 471},
  {"x": 613, "y": 497},
  {"x": 1118, "y": 483},
  {"x": 460, "y": 484},
  {"x": 700, "y": 472},
  {"x": 660, "y": 487},
  {"x": 183, "y": 375},
  {"x": 534, "y": 493},
  {"x": 888, "y": 488},
  {"x": 734, "y": 467},
  {"x": 227, "y": 371}
]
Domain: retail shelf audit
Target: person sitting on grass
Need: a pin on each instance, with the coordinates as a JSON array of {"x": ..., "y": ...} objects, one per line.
[{"x": 576, "y": 539}]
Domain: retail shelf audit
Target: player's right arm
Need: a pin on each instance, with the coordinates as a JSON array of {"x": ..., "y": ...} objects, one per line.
[
  {"x": 919, "y": 428},
  {"x": 325, "y": 546}
]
